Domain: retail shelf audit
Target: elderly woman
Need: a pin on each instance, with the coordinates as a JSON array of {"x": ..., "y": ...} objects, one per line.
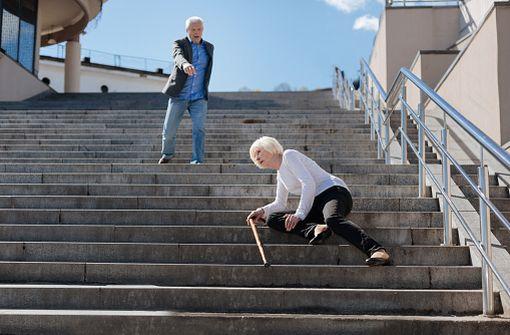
[{"x": 324, "y": 204}]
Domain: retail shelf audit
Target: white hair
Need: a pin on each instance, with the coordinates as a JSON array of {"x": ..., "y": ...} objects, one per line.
[
  {"x": 267, "y": 143},
  {"x": 193, "y": 19}
]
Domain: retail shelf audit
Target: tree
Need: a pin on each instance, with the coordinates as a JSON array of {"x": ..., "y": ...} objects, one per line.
[{"x": 283, "y": 87}]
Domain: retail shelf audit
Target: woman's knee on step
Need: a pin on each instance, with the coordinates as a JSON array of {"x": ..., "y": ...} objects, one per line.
[{"x": 277, "y": 221}]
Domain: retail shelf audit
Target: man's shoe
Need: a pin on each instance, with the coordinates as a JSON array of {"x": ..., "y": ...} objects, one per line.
[
  {"x": 195, "y": 163},
  {"x": 163, "y": 160}
]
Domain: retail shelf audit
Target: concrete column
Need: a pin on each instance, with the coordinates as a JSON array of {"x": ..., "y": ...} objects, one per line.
[
  {"x": 37, "y": 39},
  {"x": 72, "y": 66}
]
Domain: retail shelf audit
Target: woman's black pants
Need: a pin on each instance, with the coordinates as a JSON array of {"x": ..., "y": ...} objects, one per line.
[{"x": 331, "y": 207}]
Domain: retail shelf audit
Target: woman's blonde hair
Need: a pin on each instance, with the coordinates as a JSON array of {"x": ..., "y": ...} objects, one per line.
[{"x": 267, "y": 143}]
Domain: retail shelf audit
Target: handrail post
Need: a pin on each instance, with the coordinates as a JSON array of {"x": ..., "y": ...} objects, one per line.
[
  {"x": 365, "y": 84},
  {"x": 447, "y": 212},
  {"x": 334, "y": 86},
  {"x": 372, "y": 103},
  {"x": 346, "y": 93},
  {"x": 351, "y": 89},
  {"x": 362, "y": 95},
  {"x": 485, "y": 227},
  {"x": 379, "y": 127},
  {"x": 403, "y": 124},
  {"x": 421, "y": 150},
  {"x": 365, "y": 96},
  {"x": 387, "y": 157}
]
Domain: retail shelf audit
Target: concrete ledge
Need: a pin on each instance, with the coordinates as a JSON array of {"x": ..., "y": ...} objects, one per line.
[
  {"x": 229, "y": 299},
  {"x": 50, "y": 322},
  {"x": 224, "y": 253},
  {"x": 408, "y": 277}
]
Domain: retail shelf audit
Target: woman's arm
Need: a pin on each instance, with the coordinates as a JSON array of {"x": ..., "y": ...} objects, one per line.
[
  {"x": 308, "y": 186},
  {"x": 280, "y": 202}
]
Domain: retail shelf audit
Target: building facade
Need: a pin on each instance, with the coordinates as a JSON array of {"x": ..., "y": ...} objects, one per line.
[
  {"x": 96, "y": 77},
  {"x": 28, "y": 25},
  {"x": 18, "y": 20},
  {"x": 459, "y": 48}
]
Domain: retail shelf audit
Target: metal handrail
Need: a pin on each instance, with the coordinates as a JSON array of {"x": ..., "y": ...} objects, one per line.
[
  {"x": 118, "y": 60},
  {"x": 371, "y": 102},
  {"x": 488, "y": 144},
  {"x": 417, "y": 3},
  {"x": 471, "y": 183},
  {"x": 343, "y": 90}
]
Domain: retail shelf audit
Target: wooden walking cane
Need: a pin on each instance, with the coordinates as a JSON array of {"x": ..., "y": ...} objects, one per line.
[{"x": 259, "y": 243}]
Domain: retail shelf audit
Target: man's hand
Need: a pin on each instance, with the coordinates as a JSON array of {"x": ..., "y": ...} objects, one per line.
[
  {"x": 291, "y": 221},
  {"x": 189, "y": 70},
  {"x": 257, "y": 216}
]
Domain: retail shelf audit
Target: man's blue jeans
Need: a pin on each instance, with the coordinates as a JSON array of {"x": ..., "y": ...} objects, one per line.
[{"x": 198, "y": 111}]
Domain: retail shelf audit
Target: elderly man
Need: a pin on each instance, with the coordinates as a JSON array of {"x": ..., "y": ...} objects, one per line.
[{"x": 188, "y": 90}]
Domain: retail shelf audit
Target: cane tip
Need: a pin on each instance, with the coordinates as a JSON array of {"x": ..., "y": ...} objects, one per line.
[{"x": 267, "y": 264}]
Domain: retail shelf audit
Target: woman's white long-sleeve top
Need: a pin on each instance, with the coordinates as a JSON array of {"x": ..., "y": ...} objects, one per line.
[{"x": 299, "y": 174}]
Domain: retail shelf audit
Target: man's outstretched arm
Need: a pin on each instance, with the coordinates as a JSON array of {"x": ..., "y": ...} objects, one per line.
[{"x": 180, "y": 61}]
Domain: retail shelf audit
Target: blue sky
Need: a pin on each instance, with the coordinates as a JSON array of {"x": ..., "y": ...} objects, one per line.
[{"x": 258, "y": 43}]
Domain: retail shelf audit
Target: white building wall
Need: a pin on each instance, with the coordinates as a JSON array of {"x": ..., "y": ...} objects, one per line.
[
  {"x": 478, "y": 9},
  {"x": 93, "y": 78}
]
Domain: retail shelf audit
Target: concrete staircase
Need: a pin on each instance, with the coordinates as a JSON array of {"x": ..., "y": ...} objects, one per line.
[
  {"x": 412, "y": 132},
  {"x": 498, "y": 194},
  {"x": 98, "y": 239}
]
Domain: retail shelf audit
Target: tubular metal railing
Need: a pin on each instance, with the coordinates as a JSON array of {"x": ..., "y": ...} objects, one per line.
[
  {"x": 418, "y": 3},
  {"x": 379, "y": 105},
  {"x": 342, "y": 89},
  {"x": 105, "y": 58}
]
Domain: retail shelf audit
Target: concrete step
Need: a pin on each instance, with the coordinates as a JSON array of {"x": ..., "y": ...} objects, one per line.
[
  {"x": 142, "y": 104},
  {"x": 156, "y": 140},
  {"x": 102, "y": 322},
  {"x": 503, "y": 204},
  {"x": 201, "y": 202},
  {"x": 292, "y": 121},
  {"x": 187, "y": 168},
  {"x": 305, "y": 107},
  {"x": 223, "y": 161},
  {"x": 317, "y": 155},
  {"x": 154, "y": 151},
  {"x": 495, "y": 221},
  {"x": 227, "y": 114},
  {"x": 224, "y": 253},
  {"x": 234, "y": 134},
  {"x": 406, "y": 277},
  {"x": 201, "y": 234},
  {"x": 461, "y": 181},
  {"x": 229, "y": 299},
  {"x": 503, "y": 236},
  {"x": 205, "y": 189},
  {"x": 213, "y": 114},
  {"x": 366, "y": 219},
  {"x": 212, "y": 147},
  {"x": 190, "y": 178},
  {"x": 494, "y": 192},
  {"x": 180, "y": 157},
  {"x": 227, "y": 146},
  {"x": 161, "y": 104},
  {"x": 245, "y": 120},
  {"x": 276, "y": 131},
  {"x": 296, "y": 138},
  {"x": 218, "y": 127}
]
